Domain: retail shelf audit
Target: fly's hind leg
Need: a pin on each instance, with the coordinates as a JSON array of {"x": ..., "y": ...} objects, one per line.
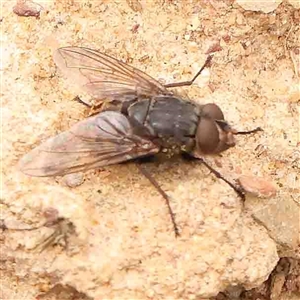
[
  {"x": 93, "y": 109},
  {"x": 78, "y": 99}
]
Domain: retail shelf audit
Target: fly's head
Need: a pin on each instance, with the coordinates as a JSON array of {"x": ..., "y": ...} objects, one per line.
[{"x": 214, "y": 135}]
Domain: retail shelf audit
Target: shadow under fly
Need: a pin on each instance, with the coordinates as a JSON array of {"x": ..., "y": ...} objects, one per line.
[{"x": 145, "y": 118}]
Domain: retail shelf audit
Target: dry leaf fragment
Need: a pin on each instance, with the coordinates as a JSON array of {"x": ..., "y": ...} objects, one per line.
[
  {"x": 25, "y": 8},
  {"x": 257, "y": 186}
]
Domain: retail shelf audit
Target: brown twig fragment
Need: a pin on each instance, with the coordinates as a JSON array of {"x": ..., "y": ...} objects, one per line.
[{"x": 135, "y": 5}]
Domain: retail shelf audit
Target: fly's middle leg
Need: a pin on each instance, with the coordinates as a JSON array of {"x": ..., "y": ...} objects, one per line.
[{"x": 163, "y": 194}]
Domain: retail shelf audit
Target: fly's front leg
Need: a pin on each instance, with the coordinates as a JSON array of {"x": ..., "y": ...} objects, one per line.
[
  {"x": 190, "y": 82},
  {"x": 239, "y": 190},
  {"x": 248, "y": 132}
]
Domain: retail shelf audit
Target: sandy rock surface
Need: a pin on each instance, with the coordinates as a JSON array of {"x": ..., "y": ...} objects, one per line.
[
  {"x": 263, "y": 6},
  {"x": 121, "y": 242}
]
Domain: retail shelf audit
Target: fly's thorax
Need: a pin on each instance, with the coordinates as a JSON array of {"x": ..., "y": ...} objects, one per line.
[
  {"x": 214, "y": 135},
  {"x": 167, "y": 117}
]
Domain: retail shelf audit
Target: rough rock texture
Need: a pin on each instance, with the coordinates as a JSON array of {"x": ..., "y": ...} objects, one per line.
[
  {"x": 281, "y": 218},
  {"x": 295, "y": 3},
  {"x": 263, "y": 6},
  {"x": 124, "y": 245}
]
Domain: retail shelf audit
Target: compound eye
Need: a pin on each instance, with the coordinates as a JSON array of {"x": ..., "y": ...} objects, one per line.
[
  {"x": 213, "y": 111},
  {"x": 207, "y": 136}
]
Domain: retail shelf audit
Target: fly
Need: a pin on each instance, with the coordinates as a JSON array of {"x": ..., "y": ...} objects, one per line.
[{"x": 145, "y": 118}]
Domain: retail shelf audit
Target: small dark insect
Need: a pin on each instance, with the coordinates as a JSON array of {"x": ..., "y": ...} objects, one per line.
[{"x": 146, "y": 118}]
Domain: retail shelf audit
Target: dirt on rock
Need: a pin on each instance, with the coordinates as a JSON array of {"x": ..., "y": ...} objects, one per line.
[{"x": 113, "y": 237}]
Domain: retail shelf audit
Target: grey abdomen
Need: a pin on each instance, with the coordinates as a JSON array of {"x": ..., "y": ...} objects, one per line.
[{"x": 166, "y": 116}]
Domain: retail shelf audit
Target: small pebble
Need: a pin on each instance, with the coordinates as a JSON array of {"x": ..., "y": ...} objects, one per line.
[
  {"x": 25, "y": 8},
  {"x": 257, "y": 186},
  {"x": 73, "y": 180},
  {"x": 51, "y": 215}
]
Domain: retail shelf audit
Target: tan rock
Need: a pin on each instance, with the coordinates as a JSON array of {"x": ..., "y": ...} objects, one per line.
[
  {"x": 123, "y": 245},
  {"x": 263, "y": 6},
  {"x": 294, "y": 3}
]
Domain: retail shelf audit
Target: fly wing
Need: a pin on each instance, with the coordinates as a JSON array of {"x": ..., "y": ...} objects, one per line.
[
  {"x": 98, "y": 141},
  {"x": 104, "y": 77}
]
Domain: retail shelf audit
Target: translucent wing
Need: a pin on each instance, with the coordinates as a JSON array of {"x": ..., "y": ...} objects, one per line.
[
  {"x": 98, "y": 141},
  {"x": 104, "y": 77}
]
